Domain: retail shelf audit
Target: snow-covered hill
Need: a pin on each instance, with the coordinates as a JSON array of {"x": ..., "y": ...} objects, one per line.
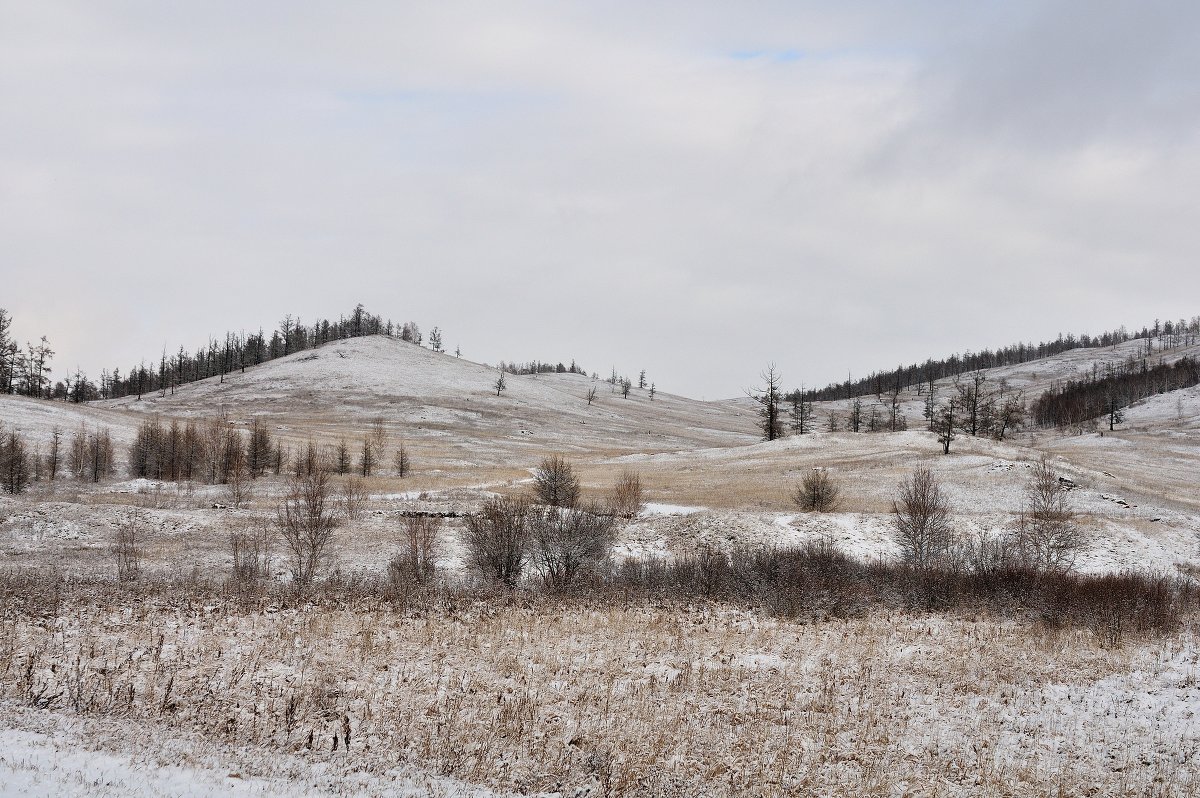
[{"x": 342, "y": 387}]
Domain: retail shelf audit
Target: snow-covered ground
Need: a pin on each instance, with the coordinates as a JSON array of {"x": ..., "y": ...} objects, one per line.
[{"x": 1127, "y": 715}]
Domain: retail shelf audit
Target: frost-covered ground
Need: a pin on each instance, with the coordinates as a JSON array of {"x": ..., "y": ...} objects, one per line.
[
  {"x": 688, "y": 700},
  {"x": 47, "y": 755},
  {"x": 562, "y": 699}
]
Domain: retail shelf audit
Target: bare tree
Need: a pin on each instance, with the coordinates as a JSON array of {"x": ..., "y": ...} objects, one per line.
[
  {"x": 101, "y": 457},
  {"x": 54, "y": 458},
  {"x": 854, "y": 420},
  {"x": 555, "y": 482},
  {"x": 591, "y": 395},
  {"x": 128, "y": 546},
  {"x": 817, "y": 492},
  {"x": 352, "y": 498},
  {"x": 378, "y": 438},
  {"x": 258, "y": 449},
  {"x": 768, "y": 397},
  {"x": 500, "y": 384},
  {"x": 237, "y": 476},
  {"x": 251, "y": 554},
  {"x": 496, "y": 539},
  {"x": 1049, "y": 536},
  {"x": 921, "y": 518},
  {"x": 627, "y": 500},
  {"x": 417, "y": 559},
  {"x": 306, "y": 523},
  {"x": 570, "y": 541}
]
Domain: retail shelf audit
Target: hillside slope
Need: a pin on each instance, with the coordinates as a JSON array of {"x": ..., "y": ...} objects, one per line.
[{"x": 341, "y": 388}]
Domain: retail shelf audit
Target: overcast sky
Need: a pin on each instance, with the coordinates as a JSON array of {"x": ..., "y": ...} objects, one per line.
[{"x": 691, "y": 188}]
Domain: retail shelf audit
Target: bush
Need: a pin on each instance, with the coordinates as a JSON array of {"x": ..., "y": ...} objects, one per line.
[
  {"x": 817, "y": 492},
  {"x": 251, "y": 552},
  {"x": 417, "y": 560},
  {"x": 570, "y": 541},
  {"x": 128, "y": 546},
  {"x": 627, "y": 500},
  {"x": 353, "y": 497},
  {"x": 497, "y": 539}
]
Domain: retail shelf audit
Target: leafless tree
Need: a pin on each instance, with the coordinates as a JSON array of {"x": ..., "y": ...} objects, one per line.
[
  {"x": 352, "y": 498},
  {"x": 417, "y": 559},
  {"x": 1010, "y": 415},
  {"x": 921, "y": 518},
  {"x": 237, "y": 477},
  {"x": 101, "y": 457},
  {"x": 570, "y": 541},
  {"x": 306, "y": 524},
  {"x": 555, "y": 482},
  {"x": 251, "y": 553},
  {"x": 128, "y": 546},
  {"x": 500, "y": 384},
  {"x": 54, "y": 458},
  {"x": 497, "y": 539},
  {"x": 854, "y": 420},
  {"x": 768, "y": 398},
  {"x": 379, "y": 439},
  {"x": 627, "y": 499},
  {"x": 1049, "y": 536},
  {"x": 258, "y": 449},
  {"x": 817, "y": 492},
  {"x": 591, "y": 395}
]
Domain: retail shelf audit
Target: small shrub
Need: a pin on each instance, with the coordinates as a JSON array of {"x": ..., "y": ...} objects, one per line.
[
  {"x": 417, "y": 559},
  {"x": 627, "y": 500},
  {"x": 353, "y": 498},
  {"x": 817, "y": 492},
  {"x": 497, "y": 539},
  {"x": 251, "y": 552},
  {"x": 569, "y": 542},
  {"x": 127, "y": 548}
]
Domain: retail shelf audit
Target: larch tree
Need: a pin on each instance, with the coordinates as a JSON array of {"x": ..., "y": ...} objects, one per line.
[{"x": 768, "y": 398}]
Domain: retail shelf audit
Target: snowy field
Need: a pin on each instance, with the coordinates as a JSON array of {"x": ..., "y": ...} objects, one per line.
[{"x": 528, "y": 697}]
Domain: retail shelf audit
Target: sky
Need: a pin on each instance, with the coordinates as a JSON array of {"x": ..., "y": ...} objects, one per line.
[{"x": 695, "y": 189}]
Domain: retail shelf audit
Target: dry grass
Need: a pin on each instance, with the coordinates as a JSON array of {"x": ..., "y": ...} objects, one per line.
[{"x": 638, "y": 699}]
